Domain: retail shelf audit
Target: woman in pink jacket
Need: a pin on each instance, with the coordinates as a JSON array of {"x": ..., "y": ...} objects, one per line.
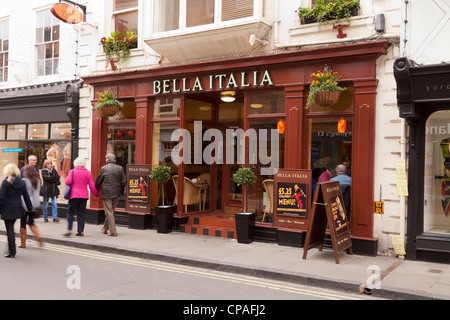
[{"x": 79, "y": 178}]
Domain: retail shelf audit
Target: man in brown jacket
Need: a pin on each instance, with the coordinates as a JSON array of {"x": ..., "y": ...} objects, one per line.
[{"x": 112, "y": 181}]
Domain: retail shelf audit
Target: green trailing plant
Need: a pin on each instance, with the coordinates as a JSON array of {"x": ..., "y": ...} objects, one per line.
[
  {"x": 329, "y": 12},
  {"x": 106, "y": 99},
  {"x": 161, "y": 174},
  {"x": 244, "y": 176},
  {"x": 325, "y": 80},
  {"x": 118, "y": 44}
]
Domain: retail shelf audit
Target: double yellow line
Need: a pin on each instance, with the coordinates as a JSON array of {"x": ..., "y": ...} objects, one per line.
[{"x": 191, "y": 271}]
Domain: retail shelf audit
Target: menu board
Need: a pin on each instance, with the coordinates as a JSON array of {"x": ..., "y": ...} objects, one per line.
[
  {"x": 328, "y": 209},
  {"x": 292, "y": 198},
  {"x": 138, "y": 188}
]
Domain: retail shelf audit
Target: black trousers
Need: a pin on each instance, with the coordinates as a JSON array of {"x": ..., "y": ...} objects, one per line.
[{"x": 9, "y": 224}]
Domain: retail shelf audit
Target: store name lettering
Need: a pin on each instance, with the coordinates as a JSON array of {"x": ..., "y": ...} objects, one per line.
[{"x": 219, "y": 82}]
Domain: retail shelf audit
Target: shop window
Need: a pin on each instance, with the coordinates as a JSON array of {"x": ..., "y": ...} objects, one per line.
[
  {"x": 437, "y": 174},
  {"x": 47, "y": 43},
  {"x": 38, "y": 131},
  {"x": 198, "y": 110},
  {"x": 267, "y": 103},
  {"x": 2, "y": 132},
  {"x": 345, "y": 103},
  {"x": 121, "y": 141},
  {"x": 60, "y": 131},
  {"x": 4, "y": 48},
  {"x": 330, "y": 144},
  {"x": 126, "y": 16},
  {"x": 16, "y": 132},
  {"x": 165, "y": 144},
  {"x": 167, "y": 108}
]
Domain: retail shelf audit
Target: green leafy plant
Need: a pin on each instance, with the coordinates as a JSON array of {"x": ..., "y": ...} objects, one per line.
[
  {"x": 330, "y": 12},
  {"x": 244, "y": 176},
  {"x": 325, "y": 80},
  {"x": 161, "y": 174},
  {"x": 119, "y": 44},
  {"x": 106, "y": 99}
]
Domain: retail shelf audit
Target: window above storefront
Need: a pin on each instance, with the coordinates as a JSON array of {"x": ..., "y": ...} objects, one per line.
[{"x": 216, "y": 27}]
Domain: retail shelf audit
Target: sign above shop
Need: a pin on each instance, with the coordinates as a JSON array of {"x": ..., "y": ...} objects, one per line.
[
  {"x": 68, "y": 12},
  {"x": 230, "y": 81}
]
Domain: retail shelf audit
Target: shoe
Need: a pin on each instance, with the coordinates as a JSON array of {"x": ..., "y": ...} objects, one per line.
[
  {"x": 68, "y": 234},
  {"x": 80, "y": 234},
  {"x": 9, "y": 255},
  {"x": 112, "y": 234},
  {"x": 104, "y": 230},
  {"x": 23, "y": 238},
  {"x": 56, "y": 220},
  {"x": 45, "y": 220}
]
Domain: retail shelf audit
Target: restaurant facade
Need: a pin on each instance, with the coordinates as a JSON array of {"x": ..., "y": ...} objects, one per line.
[{"x": 177, "y": 116}]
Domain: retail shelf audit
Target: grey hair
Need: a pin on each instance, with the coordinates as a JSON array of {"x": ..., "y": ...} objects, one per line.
[
  {"x": 342, "y": 168},
  {"x": 79, "y": 162},
  {"x": 110, "y": 157}
]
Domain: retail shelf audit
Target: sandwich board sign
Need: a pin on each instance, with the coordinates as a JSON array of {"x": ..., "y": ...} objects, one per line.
[{"x": 328, "y": 208}]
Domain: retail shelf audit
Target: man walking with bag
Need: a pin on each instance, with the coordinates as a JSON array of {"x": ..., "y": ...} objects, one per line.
[{"x": 112, "y": 181}]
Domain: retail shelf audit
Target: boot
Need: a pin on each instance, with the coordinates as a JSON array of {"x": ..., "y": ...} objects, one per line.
[
  {"x": 36, "y": 233},
  {"x": 23, "y": 238}
]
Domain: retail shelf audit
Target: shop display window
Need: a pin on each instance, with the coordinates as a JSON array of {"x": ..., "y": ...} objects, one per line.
[
  {"x": 121, "y": 141},
  {"x": 16, "y": 132},
  {"x": 38, "y": 131},
  {"x": 437, "y": 174},
  {"x": 267, "y": 102},
  {"x": 60, "y": 131},
  {"x": 167, "y": 108}
]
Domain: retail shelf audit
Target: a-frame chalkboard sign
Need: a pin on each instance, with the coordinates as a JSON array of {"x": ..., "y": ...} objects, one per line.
[{"x": 328, "y": 207}]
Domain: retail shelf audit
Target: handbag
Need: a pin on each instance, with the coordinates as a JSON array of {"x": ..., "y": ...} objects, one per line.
[{"x": 68, "y": 189}]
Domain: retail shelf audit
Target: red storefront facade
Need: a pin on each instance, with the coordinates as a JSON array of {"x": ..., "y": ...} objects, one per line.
[{"x": 285, "y": 76}]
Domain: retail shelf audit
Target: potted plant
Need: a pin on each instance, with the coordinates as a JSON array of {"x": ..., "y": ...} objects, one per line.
[
  {"x": 164, "y": 214},
  {"x": 118, "y": 44},
  {"x": 329, "y": 13},
  {"x": 107, "y": 105},
  {"x": 324, "y": 88},
  {"x": 245, "y": 221}
]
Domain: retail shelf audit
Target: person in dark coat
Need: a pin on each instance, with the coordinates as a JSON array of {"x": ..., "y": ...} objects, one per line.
[
  {"x": 12, "y": 190},
  {"x": 112, "y": 181},
  {"x": 50, "y": 189}
]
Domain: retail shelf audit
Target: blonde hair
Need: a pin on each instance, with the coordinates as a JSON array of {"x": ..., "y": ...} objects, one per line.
[
  {"x": 79, "y": 162},
  {"x": 10, "y": 171},
  {"x": 46, "y": 162}
]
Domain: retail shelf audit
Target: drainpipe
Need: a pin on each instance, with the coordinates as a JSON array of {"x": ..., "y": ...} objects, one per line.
[{"x": 403, "y": 198}]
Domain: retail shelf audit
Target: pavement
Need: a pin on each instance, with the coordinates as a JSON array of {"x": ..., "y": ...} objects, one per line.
[{"x": 394, "y": 278}]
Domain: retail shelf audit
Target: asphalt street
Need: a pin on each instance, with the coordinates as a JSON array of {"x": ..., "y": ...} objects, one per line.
[{"x": 56, "y": 272}]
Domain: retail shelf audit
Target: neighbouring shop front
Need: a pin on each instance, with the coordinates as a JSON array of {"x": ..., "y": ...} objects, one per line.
[
  {"x": 42, "y": 121},
  {"x": 423, "y": 93},
  {"x": 196, "y": 112}
]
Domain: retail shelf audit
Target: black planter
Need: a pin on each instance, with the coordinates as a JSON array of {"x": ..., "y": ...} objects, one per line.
[
  {"x": 308, "y": 20},
  {"x": 164, "y": 218},
  {"x": 245, "y": 225}
]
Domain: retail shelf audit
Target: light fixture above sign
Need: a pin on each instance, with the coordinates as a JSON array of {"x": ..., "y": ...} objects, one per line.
[
  {"x": 69, "y": 12},
  {"x": 228, "y": 96}
]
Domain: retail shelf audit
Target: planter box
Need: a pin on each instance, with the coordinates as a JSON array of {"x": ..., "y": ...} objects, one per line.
[
  {"x": 164, "y": 218},
  {"x": 245, "y": 226}
]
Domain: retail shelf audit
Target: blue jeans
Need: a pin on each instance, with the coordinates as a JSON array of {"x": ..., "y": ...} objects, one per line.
[
  {"x": 54, "y": 207},
  {"x": 77, "y": 205}
]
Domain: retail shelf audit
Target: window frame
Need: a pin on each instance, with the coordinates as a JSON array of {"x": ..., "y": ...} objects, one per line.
[
  {"x": 4, "y": 67},
  {"x": 258, "y": 11},
  {"x": 44, "y": 43}
]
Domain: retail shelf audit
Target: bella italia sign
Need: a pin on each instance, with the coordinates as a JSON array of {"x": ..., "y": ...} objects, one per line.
[{"x": 214, "y": 82}]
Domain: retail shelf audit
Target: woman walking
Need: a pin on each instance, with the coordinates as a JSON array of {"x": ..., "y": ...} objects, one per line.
[
  {"x": 11, "y": 191},
  {"x": 33, "y": 185},
  {"x": 79, "y": 178},
  {"x": 50, "y": 189}
]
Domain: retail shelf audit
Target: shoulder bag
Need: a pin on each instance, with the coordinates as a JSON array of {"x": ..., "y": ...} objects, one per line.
[{"x": 68, "y": 189}]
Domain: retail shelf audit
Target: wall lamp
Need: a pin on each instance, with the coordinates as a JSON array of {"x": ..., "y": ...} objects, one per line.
[{"x": 253, "y": 39}]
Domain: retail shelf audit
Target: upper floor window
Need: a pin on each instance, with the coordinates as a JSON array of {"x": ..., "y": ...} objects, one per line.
[
  {"x": 47, "y": 43},
  {"x": 4, "y": 47},
  {"x": 172, "y": 15},
  {"x": 125, "y": 16}
]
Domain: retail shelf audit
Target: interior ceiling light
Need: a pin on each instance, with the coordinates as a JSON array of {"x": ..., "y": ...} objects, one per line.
[
  {"x": 228, "y": 96},
  {"x": 256, "y": 105}
]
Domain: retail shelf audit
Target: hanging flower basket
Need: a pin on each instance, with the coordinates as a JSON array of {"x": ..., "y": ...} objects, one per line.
[
  {"x": 107, "y": 105},
  {"x": 324, "y": 89},
  {"x": 327, "y": 98}
]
